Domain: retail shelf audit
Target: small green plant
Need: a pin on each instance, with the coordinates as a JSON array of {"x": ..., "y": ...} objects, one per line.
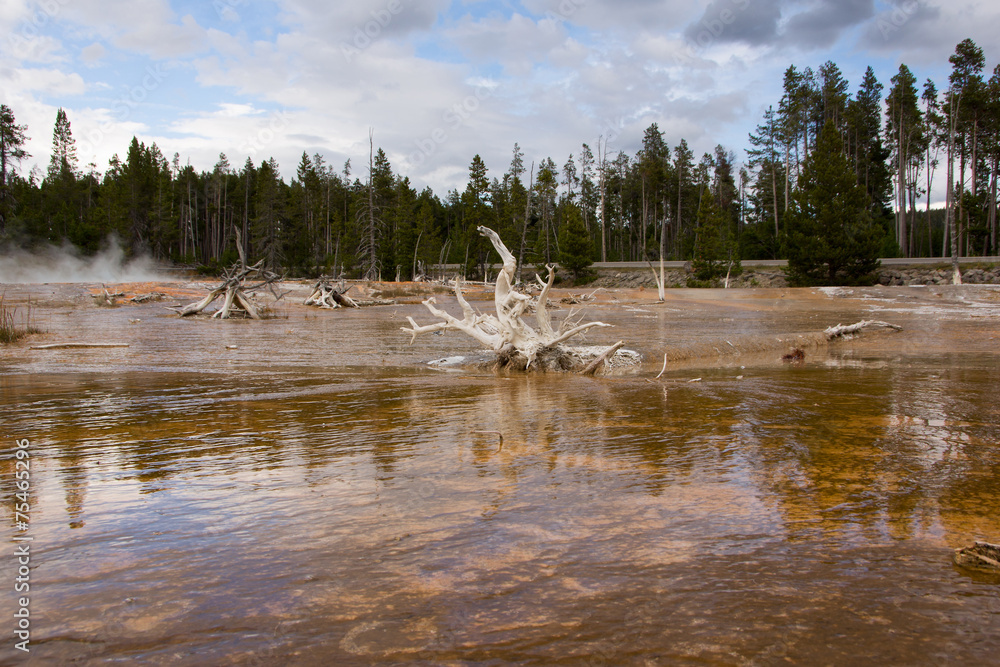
[{"x": 10, "y": 331}]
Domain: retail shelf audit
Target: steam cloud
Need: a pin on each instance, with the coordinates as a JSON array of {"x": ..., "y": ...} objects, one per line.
[{"x": 65, "y": 265}]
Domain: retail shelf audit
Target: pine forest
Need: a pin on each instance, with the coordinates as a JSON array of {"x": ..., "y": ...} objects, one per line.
[{"x": 832, "y": 178}]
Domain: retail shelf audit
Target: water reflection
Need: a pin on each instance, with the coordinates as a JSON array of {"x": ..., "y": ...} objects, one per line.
[{"x": 355, "y": 516}]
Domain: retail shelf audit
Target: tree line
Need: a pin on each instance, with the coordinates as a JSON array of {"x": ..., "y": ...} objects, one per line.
[{"x": 831, "y": 181}]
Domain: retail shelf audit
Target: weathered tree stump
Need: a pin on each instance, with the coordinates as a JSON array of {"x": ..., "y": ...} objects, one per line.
[
  {"x": 238, "y": 295},
  {"x": 517, "y": 344},
  {"x": 325, "y": 295}
]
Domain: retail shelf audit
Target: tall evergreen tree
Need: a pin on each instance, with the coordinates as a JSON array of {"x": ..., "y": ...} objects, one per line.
[
  {"x": 62, "y": 196},
  {"x": 545, "y": 188},
  {"x": 831, "y": 239},
  {"x": 475, "y": 209},
  {"x": 905, "y": 134},
  {"x": 963, "y": 83},
  {"x": 684, "y": 172},
  {"x": 63, "y": 164},
  {"x": 12, "y": 152},
  {"x": 765, "y": 161},
  {"x": 577, "y": 248},
  {"x": 713, "y": 247},
  {"x": 834, "y": 94}
]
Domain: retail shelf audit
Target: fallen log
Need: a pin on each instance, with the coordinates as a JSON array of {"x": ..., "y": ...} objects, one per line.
[
  {"x": 980, "y": 556},
  {"x": 850, "y": 329},
  {"x": 151, "y": 296},
  {"x": 66, "y": 346}
]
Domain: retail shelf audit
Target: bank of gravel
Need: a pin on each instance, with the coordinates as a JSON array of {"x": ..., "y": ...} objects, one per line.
[{"x": 772, "y": 277}]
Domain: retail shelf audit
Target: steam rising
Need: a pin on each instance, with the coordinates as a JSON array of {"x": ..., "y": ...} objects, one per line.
[{"x": 65, "y": 265}]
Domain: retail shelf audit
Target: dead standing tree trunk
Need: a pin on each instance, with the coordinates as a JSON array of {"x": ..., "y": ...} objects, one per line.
[
  {"x": 517, "y": 344},
  {"x": 238, "y": 295}
]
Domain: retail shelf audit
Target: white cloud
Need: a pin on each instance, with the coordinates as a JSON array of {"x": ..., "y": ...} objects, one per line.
[
  {"x": 148, "y": 27},
  {"x": 228, "y": 110},
  {"x": 47, "y": 82},
  {"x": 549, "y": 75},
  {"x": 41, "y": 49},
  {"x": 92, "y": 54}
]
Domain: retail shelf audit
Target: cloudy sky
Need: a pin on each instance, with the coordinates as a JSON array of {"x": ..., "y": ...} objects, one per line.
[{"x": 438, "y": 81}]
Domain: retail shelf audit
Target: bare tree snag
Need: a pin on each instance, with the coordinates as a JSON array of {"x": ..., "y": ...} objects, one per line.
[
  {"x": 517, "y": 344},
  {"x": 660, "y": 282},
  {"x": 238, "y": 294}
]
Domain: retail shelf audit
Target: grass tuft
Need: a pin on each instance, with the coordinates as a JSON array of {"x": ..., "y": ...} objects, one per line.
[{"x": 10, "y": 330}]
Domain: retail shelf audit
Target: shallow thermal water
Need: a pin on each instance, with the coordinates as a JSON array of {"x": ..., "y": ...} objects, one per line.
[{"x": 306, "y": 490}]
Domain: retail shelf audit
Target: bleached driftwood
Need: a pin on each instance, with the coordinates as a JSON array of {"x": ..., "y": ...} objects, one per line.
[
  {"x": 849, "y": 329},
  {"x": 69, "y": 346},
  {"x": 151, "y": 296},
  {"x": 980, "y": 556},
  {"x": 325, "y": 295},
  {"x": 238, "y": 294},
  {"x": 516, "y": 343}
]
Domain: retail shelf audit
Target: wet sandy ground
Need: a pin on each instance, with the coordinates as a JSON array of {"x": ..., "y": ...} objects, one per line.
[
  {"x": 307, "y": 490},
  {"x": 711, "y": 326}
]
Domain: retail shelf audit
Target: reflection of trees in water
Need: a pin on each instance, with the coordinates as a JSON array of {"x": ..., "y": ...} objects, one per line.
[
  {"x": 885, "y": 452},
  {"x": 888, "y": 450}
]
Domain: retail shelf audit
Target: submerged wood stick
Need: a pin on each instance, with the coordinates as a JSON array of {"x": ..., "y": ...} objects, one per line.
[
  {"x": 58, "y": 346},
  {"x": 664, "y": 370},
  {"x": 593, "y": 365}
]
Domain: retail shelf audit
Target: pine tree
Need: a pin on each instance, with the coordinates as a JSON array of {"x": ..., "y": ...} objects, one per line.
[
  {"x": 865, "y": 147},
  {"x": 63, "y": 164},
  {"x": 475, "y": 212},
  {"x": 963, "y": 84},
  {"x": 12, "y": 151},
  {"x": 269, "y": 203},
  {"x": 683, "y": 170},
  {"x": 61, "y": 194},
  {"x": 715, "y": 247},
  {"x": 588, "y": 190},
  {"x": 831, "y": 239},
  {"x": 905, "y": 134},
  {"x": 545, "y": 188},
  {"x": 765, "y": 161},
  {"x": 833, "y": 94},
  {"x": 576, "y": 246}
]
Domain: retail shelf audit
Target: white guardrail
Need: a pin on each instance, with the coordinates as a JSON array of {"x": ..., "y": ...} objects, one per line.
[{"x": 764, "y": 263}]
